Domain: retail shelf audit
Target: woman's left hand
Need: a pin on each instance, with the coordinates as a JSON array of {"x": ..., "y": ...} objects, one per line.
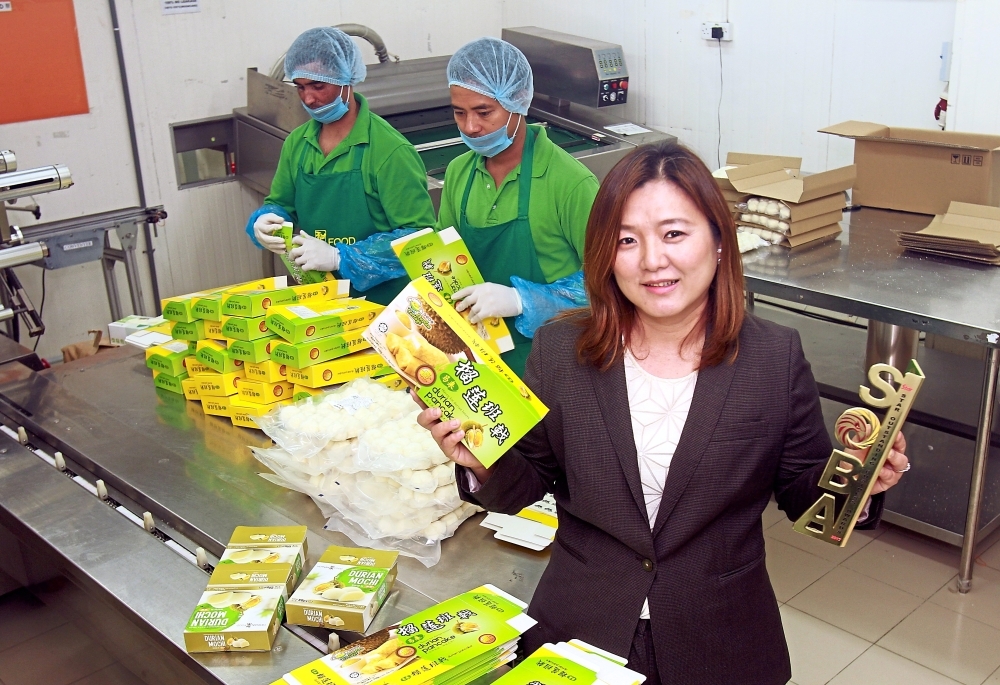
[{"x": 894, "y": 466}]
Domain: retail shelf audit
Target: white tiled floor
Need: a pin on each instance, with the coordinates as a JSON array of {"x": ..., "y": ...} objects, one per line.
[{"x": 884, "y": 610}]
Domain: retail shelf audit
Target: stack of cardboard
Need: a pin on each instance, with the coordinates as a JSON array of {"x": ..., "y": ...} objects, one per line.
[
  {"x": 735, "y": 160},
  {"x": 970, "y": 232},
  {"x": 451, "y": 643},
  {"x": 790, "y": 210},
  {"x": 574, "y": 662}
]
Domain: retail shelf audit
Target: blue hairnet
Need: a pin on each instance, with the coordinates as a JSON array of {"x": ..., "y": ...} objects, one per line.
[
  {"x": 325, "y": 54},
  {"x": 496, "y": 69}
]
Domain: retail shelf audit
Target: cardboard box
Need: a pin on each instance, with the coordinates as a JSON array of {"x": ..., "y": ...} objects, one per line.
[
  {"x": 970, "y": 232},
  {"x": 123, "y": 328},
  {"x": 219, "y": 384},
  {"x": 168, "y": 358},
  {"x": 298, "y": 323},
  {"x": 254, "y": 545},
  {"x": 267, "y": 371},
  {"x": 209, "y": 307},
  {"x": 195, "y": 367},
  {"x": 357, "y": 365},
  {"x": 769, "y": 179},
  {"x": 165, "y": 381},
  {"x": 301, "y": 392},
  {"x": 239, "y": 328},
  {"x": 190, "y": 330},
  {"x": 734, "y": 160},
  {"x": 344, "y": 590},
  {"x": 215, "y": 356},
  {"x": 474, "y": 629},
  {"x": 442, "y": 259},
  {"x": 181, "y": 307},
  {"x": 260, "y": 392},
  {"x": 255, "y": 351},
  {"x": 805, "y": 225},
  {"x": 213, "y": 330},
  {"x": 254, "y": 303},
  {"x": 429, "y": 344},
  {"x": 239, "y": 611},
  {"x": 921, "y": 170},
  {"x": 190, "y": 386},
  {"x": 217, "y": 406},
  {"x": 242, "y": 413},
  {"x": 309, "y": 352}
]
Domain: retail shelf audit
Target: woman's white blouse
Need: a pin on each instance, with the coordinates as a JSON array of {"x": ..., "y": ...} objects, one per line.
[{"x": 659, "y": 408}]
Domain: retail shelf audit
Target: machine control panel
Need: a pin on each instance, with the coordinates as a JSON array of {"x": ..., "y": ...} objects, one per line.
[{"x": 613, "y": 92}]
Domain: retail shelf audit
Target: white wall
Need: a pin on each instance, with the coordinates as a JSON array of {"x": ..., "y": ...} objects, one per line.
[
  {"x": 793, "y": 67},
  {"x": 184, "y": 67},
  {"x": 974, "y": 99}
]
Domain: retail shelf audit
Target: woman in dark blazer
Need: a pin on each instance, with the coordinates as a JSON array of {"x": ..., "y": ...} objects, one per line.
[{"x": 674, "y": 418}]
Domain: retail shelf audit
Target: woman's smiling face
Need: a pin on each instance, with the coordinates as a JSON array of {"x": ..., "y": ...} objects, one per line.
[{"x": 667, "y": 254}]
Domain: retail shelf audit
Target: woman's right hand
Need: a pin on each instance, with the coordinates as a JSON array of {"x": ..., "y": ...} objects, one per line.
[{"x": 449, "y": 437}]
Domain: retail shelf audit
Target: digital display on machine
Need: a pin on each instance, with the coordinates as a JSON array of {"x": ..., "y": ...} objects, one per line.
[{"x": 610, "y": 62}]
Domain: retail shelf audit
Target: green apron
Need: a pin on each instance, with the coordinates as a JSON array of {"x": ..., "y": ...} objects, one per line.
[
  {"x": 507, "y": 249},
  {"x": 333, "y": 207}
]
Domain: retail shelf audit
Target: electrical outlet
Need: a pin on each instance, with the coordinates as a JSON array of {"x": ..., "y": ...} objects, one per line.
[{"x": 707, "y": 26}]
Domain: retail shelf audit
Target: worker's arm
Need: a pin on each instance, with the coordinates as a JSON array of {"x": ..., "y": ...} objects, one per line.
[
  {"x": 574, "y": 212},
  {"x": 281, "y": 199}
]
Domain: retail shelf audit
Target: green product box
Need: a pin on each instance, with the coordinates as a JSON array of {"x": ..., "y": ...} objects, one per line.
[
  {"x": 303, "y": 354},
  {"x": 240, "y": 610},
  {"x": 447, "y": 643},
  {"x": 442, "y": 259},
  {"x": 253, "y": 351},
  {"x": 181, "y": 307},
  {"x": 344, "y": 590},
  {"x": 298, "y": 323},
  {"x": 287, "y": 232},
  {"x": 254, "y": 303},
  {"x": 434, "y": 349},
  {"x": 168, "y": 382},
  {"x": 169, "y": 357},
  {"x": 209, "y": 307},
  {"x": 571, "y": 663},
  {"x": 239, "y": 328},
  {"x": 188, "y": 330},
  {"x": 214, "y": 355}
]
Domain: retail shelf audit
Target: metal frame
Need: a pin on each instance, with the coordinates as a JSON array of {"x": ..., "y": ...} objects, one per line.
[{"x": 876, "y": 248}]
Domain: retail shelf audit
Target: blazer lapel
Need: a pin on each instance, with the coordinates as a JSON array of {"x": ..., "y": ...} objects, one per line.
[
  {"x": 612, "y": 396},
  {"x": 706, "y": 407}
]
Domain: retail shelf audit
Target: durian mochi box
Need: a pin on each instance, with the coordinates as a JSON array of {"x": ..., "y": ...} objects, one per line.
[
  {"x": 442, "y": 259},
  {"x": 450, "y": 366}
]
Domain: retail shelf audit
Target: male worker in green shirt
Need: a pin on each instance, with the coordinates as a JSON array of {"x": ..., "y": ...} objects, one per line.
[
  {"x": 519, "y": 201},
  {"x": 346, "y": 179}
]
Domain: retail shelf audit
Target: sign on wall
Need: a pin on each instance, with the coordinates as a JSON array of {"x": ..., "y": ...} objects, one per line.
[
  {"x": 180, "y": 6},
  {"x": 31, "y": 66}
]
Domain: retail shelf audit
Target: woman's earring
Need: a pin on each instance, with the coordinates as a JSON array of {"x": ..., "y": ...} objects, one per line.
[{"x": 719, "y": 260}]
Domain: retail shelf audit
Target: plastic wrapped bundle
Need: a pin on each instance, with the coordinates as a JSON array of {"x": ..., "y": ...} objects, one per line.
[{"x": 372, "y": 261}]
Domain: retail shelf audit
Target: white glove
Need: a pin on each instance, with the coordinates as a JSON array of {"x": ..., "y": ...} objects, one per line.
[
  {"x": 488, "y": 300},
  {"x": 263, "y": 227},
  {"x": 313, "y": 254}
]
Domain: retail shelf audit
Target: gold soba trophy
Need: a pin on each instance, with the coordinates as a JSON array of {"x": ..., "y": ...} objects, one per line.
[{"x": 858, "y": 428}]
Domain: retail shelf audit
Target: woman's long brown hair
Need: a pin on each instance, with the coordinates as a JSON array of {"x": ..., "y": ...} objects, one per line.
[{"x": 609, "y": 324}]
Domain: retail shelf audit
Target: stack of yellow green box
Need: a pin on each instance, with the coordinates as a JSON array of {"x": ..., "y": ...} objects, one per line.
[
  {"x": 321, "y": 344},
  {"x": 250, "y": 343}
]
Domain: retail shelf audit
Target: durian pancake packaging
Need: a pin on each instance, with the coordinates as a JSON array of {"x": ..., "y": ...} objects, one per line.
[
  {"x": 442, "y": 259},
  {"x": 433, "y": 348},
  {"x": 344, "y": 590}
]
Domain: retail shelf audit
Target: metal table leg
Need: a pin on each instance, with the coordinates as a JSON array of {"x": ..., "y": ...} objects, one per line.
[
  {"x": 979, "y": 469},
  {"x": 110, "y": 283},
  {"x": 127, "y": 236}
]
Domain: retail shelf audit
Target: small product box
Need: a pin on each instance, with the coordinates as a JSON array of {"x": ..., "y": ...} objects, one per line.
[
  {"x": 209, "y": 307},
  {"x": 239, "y": 328},
  {"x": 301, "y": 392},
  {"x": 287, "y": 232},
  {"x": 242, "y": 413},
  {"x": 254, "y": 303},
  {"x": 328, "y": 289},
  {"x": 214, "y": 355},
  {"x": 429, "y": 344},
  {"x": 181, "y": 307},
  {"x": 168, "y": 358},
  {"x": 213, "y": 330},
  {"x": 165, "y": 381},
  {"x": 267, "y": 371},
  {"x": 195, "y": 367},
  {"x": 571, "y": 663},
  {"x": 255, "y": 351},
  {"x": 309, "y": 352},
  {"x": 260, "y": 392},
  {"x": 188, "y": 330},
  {"x": 344, "y": 590},
  {"x": 190, "y": 386},
  {"x": 442, "y": 259},
  {"x": 393, "y": 380},
  {"x": 219, "y": 384},
  {"x": 123, "y": 328},
  {"x": 452, "y": 642},
  {"x": 240, "y": 610},
  {"x": 298, "y": 323},
  {"x": 288, "y": 541},
  {"x": 146, "y": 339},
  {"x": 217, "y": 406},
  {"x": 357, "y": 365}
]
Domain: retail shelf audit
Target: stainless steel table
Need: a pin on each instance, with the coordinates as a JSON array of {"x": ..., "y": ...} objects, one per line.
[{"x": 865, "y": 273}]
